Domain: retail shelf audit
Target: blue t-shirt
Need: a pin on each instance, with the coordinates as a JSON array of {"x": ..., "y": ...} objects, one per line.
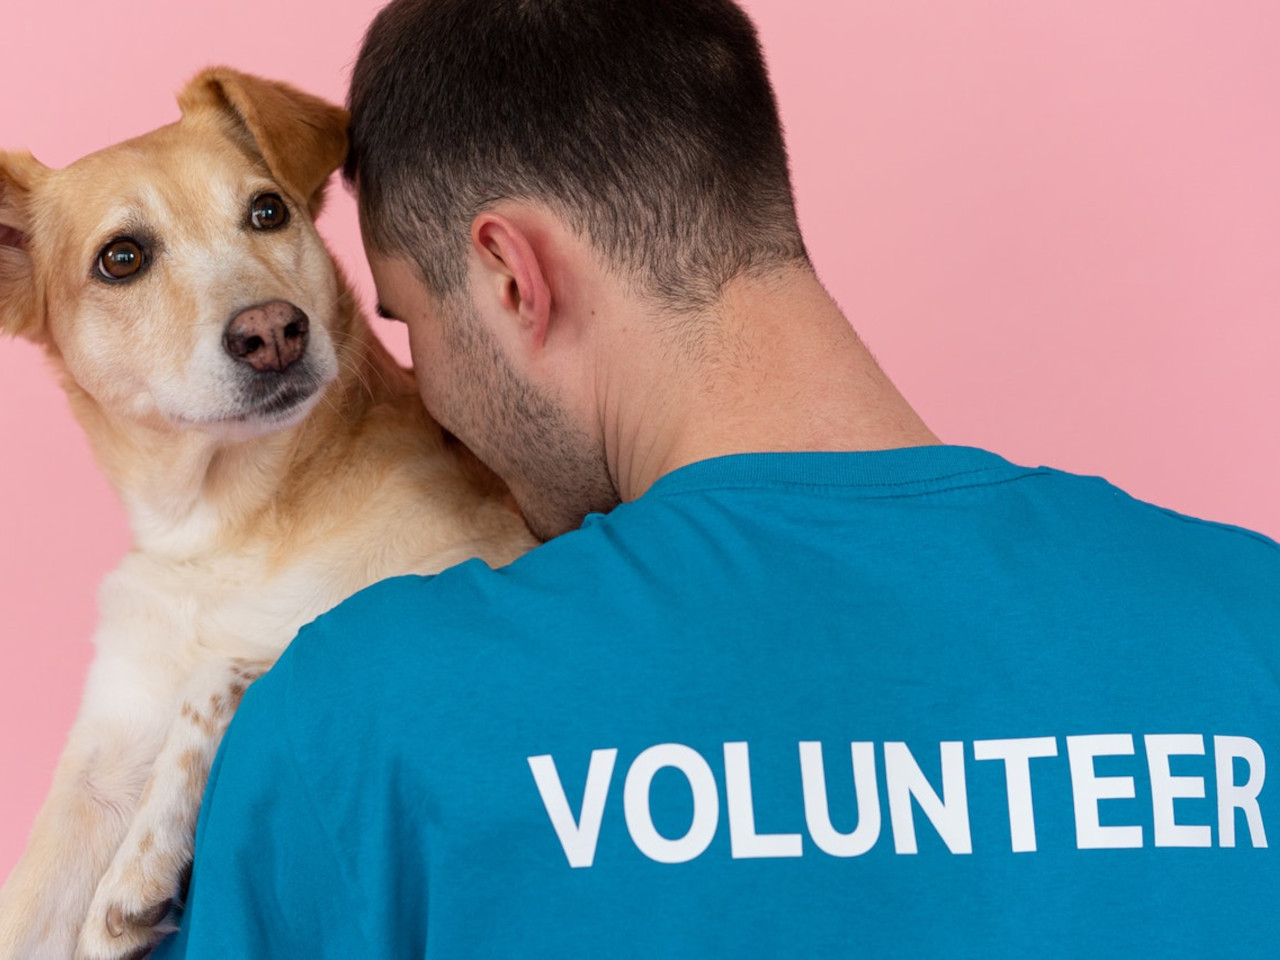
[{"x": 918, "y": 702}]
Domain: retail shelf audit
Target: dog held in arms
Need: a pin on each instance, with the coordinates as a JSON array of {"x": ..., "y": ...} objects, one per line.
[{"x": 272, "y": 458}]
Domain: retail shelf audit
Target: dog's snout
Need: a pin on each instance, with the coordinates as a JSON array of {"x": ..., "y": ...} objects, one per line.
[{"x": 270, "y": 336}]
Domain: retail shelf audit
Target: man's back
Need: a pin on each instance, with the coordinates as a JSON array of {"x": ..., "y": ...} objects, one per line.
[{"x": 912, "y": 702}]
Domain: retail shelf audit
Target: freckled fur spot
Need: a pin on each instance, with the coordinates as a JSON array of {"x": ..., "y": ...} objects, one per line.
[
  {"x": 208, "y": 725},
  {"x": 247, "y": 673}
]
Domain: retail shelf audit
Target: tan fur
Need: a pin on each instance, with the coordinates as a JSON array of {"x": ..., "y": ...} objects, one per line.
[{"x": 244, "y": 529}]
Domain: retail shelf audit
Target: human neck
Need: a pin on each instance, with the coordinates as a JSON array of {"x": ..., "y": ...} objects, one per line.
[{"x": 779, "y": 370}]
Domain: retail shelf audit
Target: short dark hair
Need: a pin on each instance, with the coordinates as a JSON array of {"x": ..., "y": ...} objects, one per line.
[{"x": 650, "y": 126}]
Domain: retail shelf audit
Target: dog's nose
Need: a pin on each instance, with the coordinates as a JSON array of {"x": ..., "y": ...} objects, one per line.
[{"x": 269, "y": 336}]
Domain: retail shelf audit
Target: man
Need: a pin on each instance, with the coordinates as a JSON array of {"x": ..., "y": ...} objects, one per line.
[{"x": 791, "y": 678}]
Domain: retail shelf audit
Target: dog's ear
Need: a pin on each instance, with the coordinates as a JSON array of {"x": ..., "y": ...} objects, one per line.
[
  {"x": 20, "y": 310},
  {"x": 301, "y": 138}
]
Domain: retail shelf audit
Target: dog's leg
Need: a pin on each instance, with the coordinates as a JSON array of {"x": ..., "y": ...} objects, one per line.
[
  {"x": 129, "y": 908},
  {"x": 95, "y": 791}
]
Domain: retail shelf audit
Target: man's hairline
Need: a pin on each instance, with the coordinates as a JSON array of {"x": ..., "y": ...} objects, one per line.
[
  {"x": 630, "y": 278},
  {"x": 383, "y": 243}
]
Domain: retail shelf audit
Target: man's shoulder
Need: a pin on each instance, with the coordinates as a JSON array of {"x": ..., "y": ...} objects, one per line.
[
  {"x": 446, "y": 619},
  {"x": 743, "y": 525},
  {"x": 696, "y": 519},
  {"x": 1106, "y": 518},
  {"x": 469, "y": 595}
]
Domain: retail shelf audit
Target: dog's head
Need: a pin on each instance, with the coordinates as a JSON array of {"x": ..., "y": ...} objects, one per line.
[{"x": 179, "y": 276}]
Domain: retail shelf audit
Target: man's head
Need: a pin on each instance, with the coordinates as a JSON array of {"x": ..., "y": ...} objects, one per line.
[{"x": 647, "y": 127}]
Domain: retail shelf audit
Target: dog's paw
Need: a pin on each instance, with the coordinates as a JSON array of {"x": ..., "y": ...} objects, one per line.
[
  {"x": 131, "y": 908},
  {"x": 97, "y": 942},
  {"x": 123, "y": 932}
]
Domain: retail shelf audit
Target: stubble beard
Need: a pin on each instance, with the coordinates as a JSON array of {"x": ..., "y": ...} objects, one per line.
[{"x": 557, "y": 473}]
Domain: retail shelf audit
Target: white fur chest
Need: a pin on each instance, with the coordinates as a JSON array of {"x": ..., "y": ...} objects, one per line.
[{"x": 180, "y": 612}]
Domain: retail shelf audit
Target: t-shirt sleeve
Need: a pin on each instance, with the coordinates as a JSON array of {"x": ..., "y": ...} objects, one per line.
[{"x": 266, "y": 881}]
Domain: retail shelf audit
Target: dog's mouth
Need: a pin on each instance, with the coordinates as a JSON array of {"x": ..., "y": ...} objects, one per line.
[
  {"x": 264, "y": 404},
  {"x": 280, "y": 402}
]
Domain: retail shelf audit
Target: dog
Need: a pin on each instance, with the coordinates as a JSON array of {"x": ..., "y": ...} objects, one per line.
[{"x": 271, "y": 456}]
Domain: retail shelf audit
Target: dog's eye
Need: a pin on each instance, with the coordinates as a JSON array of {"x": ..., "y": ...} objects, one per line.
[
  {"x": 268, "y": 212},
  {"x": 121, "y": 259}
]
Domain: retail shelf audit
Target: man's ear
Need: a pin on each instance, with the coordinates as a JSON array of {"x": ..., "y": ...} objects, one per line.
[
  {"x": 21, "y": 311},
  {"x": 301, "y": 138},
  {"x": 513, "y": 272}
]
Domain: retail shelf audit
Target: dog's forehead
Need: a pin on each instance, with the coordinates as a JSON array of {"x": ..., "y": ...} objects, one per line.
[{"x": 164, "y": 179}]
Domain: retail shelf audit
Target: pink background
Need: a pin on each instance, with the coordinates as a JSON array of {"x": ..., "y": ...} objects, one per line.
[{"x": 1056, "y": 223}]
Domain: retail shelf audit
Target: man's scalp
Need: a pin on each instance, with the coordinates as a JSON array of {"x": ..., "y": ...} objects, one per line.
[{"x": 649, "y": 125}]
